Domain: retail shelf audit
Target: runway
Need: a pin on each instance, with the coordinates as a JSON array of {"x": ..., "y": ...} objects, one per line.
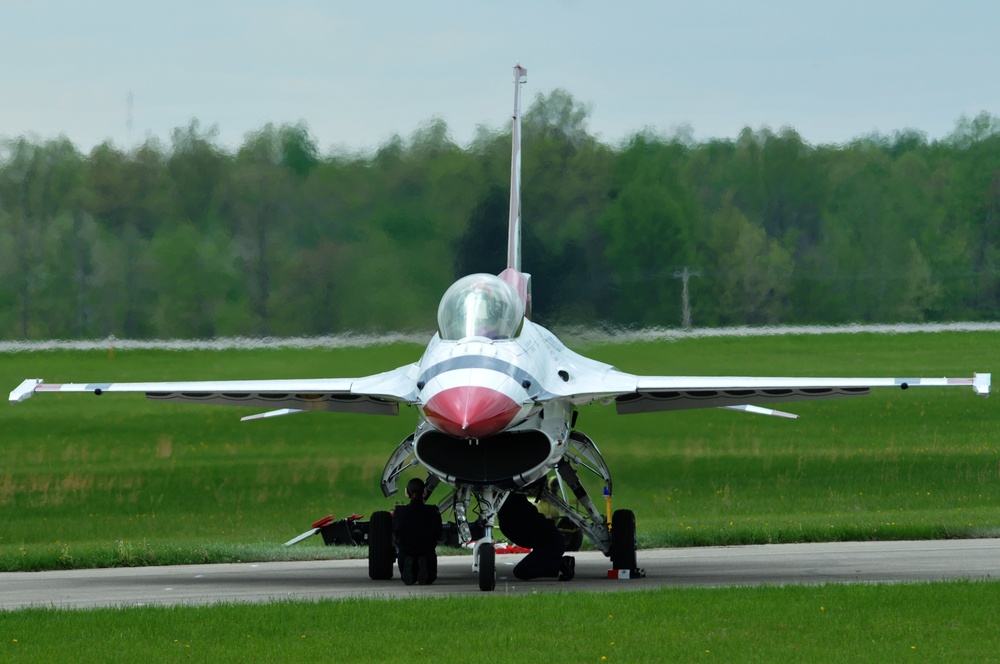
[{"x": 773, "y": 564}]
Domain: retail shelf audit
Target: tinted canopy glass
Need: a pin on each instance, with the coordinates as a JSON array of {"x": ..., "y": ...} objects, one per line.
[{"x": 480, "y": 305}]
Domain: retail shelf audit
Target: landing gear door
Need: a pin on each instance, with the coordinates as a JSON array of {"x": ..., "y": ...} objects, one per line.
[
  {"x": 583, "y": 451},
  {"x": 402, "y": 459}
]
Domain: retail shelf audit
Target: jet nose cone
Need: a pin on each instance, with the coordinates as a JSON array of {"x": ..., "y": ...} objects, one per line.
[{"x": 471, "y": 412}]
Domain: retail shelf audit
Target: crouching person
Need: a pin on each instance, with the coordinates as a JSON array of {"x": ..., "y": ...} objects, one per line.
[
  {"x": 525, "y": 526},
  {"x": 417, "y": 527}
]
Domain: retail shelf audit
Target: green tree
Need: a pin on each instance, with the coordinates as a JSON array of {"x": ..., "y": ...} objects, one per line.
[
  {"x": 189, "y": 239},
  {"x": 196, "y": 283},
  {"x": 299, "y": 153},
  {"x": 751, "y": 273},
  {"x": 650, "y": 223},
  {"x": 42, "y": 190},
  {"x": 197, "y": 169},
  {"x": 868, "y": 265},
  {"x": 259, "y": 198},
  {"x": 483, "y": 245},
  {"x": 976, "y": 212},
  {"x": 567, "y": 174}
]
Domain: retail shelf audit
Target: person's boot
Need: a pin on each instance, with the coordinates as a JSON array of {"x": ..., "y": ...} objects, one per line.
[
  {"x": 567, "y": 568},
  {"x": 423, "y": 571},
  {"x": 406, "y": 571}
]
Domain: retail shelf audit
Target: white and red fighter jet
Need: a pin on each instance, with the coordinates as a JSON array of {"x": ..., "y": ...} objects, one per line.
[{"x": 497, "y": 397}]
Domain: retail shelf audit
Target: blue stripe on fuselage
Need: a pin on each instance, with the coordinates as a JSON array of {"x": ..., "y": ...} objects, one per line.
[{"x": 480, "y": 362}]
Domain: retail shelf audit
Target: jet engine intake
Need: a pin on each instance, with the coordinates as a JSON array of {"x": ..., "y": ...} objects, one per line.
[{"x": 507, "y": 460}]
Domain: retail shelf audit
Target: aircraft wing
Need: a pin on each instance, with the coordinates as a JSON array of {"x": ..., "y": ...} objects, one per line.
[
  {"x": 378, "y": 394},
  {"x": 659, "y": 393}
]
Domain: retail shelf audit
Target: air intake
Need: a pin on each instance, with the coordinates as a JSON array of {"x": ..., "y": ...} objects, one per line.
[{"x": 499, "y": 460}]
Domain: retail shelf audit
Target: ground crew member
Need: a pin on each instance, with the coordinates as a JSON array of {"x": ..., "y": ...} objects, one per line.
[
  {"x": 570, "y": 531},
  {"x": 525, "y": 526},
  {"x": 417, "y": 527}
]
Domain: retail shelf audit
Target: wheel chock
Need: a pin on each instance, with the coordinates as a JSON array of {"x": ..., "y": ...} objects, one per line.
[{"x": 622, "y": 574}]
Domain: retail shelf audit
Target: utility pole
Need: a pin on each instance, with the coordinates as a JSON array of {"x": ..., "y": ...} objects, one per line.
[{"x": 685, "y": 276}]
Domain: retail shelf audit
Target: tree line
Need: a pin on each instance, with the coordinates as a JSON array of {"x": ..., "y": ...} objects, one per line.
[{"x": 274, "y": 238}]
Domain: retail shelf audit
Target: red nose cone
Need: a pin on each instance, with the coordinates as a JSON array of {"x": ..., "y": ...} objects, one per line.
[{"x": 471, "y": 412}]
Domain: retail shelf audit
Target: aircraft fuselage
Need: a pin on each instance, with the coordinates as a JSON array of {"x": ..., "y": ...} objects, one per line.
[{"x": 491, "y": 409}]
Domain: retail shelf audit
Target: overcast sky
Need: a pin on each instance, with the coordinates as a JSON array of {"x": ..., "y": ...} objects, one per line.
[{"x": 357, "y": 72}]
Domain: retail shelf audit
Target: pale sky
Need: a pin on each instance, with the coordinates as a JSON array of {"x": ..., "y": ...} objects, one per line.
[{"x": 357, "y": 72}]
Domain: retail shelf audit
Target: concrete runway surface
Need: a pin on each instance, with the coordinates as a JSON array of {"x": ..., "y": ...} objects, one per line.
[{"x": 841, "y": 562}]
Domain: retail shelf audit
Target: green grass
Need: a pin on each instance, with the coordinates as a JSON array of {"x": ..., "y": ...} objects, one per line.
[
  {"x": 116, "y": 480},
  {"x": 940, "y": 622}
]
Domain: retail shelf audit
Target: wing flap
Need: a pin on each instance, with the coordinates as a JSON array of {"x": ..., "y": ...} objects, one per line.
[
  {"x": 660, "y": 400},
  {"x": 320, "y": 401}
]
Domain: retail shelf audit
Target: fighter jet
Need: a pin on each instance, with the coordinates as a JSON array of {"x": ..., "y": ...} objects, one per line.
[{"x": 497, "y": 397}]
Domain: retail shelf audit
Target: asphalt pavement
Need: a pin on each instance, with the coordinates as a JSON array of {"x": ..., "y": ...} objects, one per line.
[{"x": 772, "y": 564}]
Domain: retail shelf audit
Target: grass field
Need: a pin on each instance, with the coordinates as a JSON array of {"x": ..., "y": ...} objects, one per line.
[
  {"x": 941, "y": 622},
  {"x": 116, "y": 480}
]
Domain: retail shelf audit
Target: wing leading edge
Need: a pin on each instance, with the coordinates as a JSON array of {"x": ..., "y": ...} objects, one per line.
[{"x": 378, "y": 394}]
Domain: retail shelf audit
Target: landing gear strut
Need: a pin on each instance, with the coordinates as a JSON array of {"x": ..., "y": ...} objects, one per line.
[{"x": 484, "y": 556}]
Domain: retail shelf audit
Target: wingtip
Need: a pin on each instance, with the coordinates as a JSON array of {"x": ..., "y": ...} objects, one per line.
[
  {"x": 25, "y": 390},
  {"x": 981, "y": 384}
]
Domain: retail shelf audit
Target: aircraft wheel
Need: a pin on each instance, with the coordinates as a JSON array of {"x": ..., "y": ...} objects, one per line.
[
  {"x": 381, "y": 549},
  {"x": 623, "y": 540},
  {"x": 487, "y": 567}
]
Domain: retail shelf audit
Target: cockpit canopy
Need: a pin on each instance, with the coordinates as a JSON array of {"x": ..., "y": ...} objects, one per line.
[{"x": 480, "y": 305}]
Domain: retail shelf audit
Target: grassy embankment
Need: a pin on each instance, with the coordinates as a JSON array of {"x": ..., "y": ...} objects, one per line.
[{"x": 116, "y": 480}]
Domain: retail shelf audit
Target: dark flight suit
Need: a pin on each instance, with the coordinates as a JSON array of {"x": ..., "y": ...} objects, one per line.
[
  {"x": 417, "y": 527},
  {"x": 526, "y": 526}
]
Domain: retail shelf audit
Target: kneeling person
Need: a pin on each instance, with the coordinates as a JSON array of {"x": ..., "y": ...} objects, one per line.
[
  {"x": 525, "y": 526},
  {"x": 417, "y": 527}
]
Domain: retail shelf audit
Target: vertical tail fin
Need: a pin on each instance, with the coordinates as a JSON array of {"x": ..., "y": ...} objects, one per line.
[
  {"x": 514, "y": 225},
  {"x": 513, "y": 274}
]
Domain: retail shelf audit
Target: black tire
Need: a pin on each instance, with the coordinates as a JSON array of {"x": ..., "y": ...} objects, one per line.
[
  {"x": 623, "y": 540},
  {"x": 381, "y": 548},
  {"x": 487, "y": 567}
]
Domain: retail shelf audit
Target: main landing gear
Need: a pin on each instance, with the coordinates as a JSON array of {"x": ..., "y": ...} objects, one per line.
[
  {"x": 381, "y": 547},
  {"x": 615, "y": 539},
  {"x": 623, "y": 541}
]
